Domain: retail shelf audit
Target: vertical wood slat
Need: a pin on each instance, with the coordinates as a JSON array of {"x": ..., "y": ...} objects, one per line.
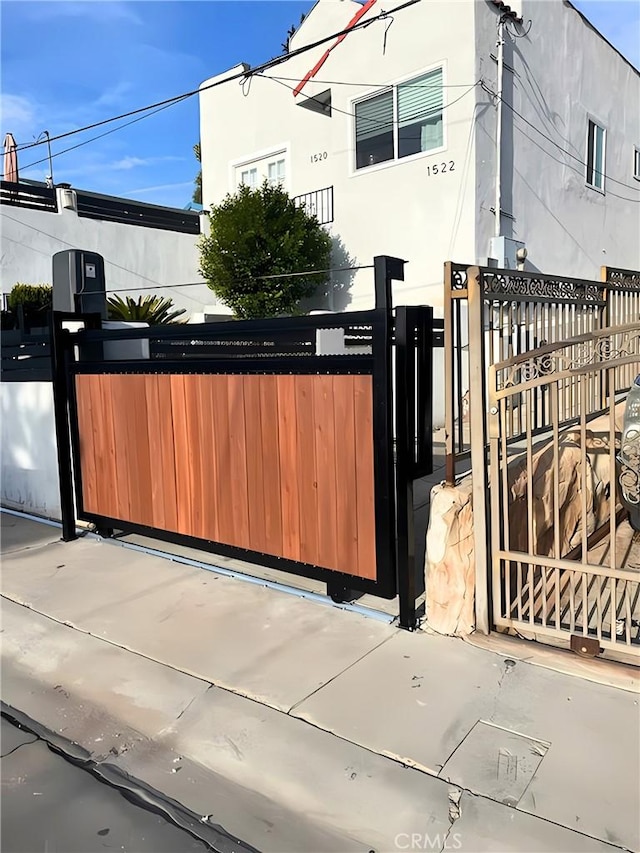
[
  {"x": 87, "y": 439},
  {"x": 238, "y": 478},
  {"x": 166, "y": 460},
  {"x": 193, "y": 459},
  {"x": 217, "y": 484},
  {"x": 325, "y": 459},
  {"x": 269, "y": 445},
  {"x": 210, "y": 517},
  {"x": 124, "y": 451},
  {"x": 255, "y": 471},
  {"x": 278, "y": 464},
  {"x": 363, "y": 407},
  {"x": 106, "y": 449},
  {"x": 181, "y": 453},
  {"x": 306, "y": 466},
  {"x": 346, "y": 483},
  {"x": 288, "y": 453},
  {"x": 140, "y": 481}
]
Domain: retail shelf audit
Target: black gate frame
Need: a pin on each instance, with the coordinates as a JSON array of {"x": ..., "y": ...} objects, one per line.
[{"x": 409, "y": 409}]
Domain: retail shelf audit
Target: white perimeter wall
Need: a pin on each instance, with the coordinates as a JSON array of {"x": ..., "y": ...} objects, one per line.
[
  {"x": 29, "y": 462},
  {"x": 135, "y": 257}
]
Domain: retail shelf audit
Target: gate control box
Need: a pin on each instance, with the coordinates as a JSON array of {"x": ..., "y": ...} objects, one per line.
[{"x": 79, "y": 282}]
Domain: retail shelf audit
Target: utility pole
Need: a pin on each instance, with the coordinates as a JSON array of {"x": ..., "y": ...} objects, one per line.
[{"x": 498, "y": 202}]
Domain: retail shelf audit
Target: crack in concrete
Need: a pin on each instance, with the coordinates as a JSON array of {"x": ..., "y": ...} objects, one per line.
[
  {"x": 16, "y": 748},
  {"x": 406, "y": 763},
  {"x": 537, "y": 816},
  {"x": 338, "y": 674}
]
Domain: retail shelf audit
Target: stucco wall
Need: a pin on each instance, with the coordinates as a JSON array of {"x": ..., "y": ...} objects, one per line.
[
  {"x": 134, "y": 256},
  {"x": 563, "y": 72},
  {"x": 29, "y": 460},
  {"x": 392, "y": 208}
]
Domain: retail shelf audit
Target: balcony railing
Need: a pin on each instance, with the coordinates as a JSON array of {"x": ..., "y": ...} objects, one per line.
[{"x": 318, "y": 204}]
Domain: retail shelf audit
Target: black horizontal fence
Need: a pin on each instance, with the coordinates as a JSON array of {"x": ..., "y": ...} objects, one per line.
[
  {"x": 33, "y": 197},
  {"x": 112, "y": 209},
  {"x": 26, "y": 355}
]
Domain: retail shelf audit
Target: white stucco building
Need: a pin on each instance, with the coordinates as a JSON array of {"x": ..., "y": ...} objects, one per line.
[{"x": 395, "y": 139}]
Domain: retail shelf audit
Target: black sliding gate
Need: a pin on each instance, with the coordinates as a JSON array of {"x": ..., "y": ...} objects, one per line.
[{"x": 270, "y": 440}]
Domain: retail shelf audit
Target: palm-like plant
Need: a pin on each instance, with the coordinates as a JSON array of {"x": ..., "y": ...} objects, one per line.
[{"x": 154, "y": 310}]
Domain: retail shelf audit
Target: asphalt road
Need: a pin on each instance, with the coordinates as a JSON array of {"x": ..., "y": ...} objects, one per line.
[{"x": 49, "y": 805}]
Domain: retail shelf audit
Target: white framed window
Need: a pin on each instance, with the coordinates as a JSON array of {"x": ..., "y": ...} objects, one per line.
[
  {"x": 271, "y": 165},
  {"x": 249, "y": 177},
  {"x": 636, "y": 163},
  {"x": 596, "y": 142},
  {"x": 276, "y": 172},
  {"x": 400, "y": 121}
]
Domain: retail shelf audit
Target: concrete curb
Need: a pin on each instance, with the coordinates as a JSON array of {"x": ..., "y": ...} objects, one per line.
[{"x": 134, "y": 790}]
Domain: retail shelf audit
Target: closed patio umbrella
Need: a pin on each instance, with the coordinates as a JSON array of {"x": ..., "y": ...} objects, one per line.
[{"x": 10, "y": 159}]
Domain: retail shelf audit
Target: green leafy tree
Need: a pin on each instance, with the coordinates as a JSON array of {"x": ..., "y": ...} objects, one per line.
[
  {"x": 197, "y": 192},
  {"x": 154, "y": 310},
  {"x": 258, "y": 237}
]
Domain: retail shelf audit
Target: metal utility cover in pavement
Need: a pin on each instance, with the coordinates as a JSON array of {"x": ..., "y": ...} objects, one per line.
[{"x": 496, "y": 762}]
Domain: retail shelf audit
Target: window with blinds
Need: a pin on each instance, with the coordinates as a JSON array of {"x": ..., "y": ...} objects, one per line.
[
  {"x": 401, "y": 121},
  {"x": 374, "y": 130},
  {"x": 420, "y": 114}
]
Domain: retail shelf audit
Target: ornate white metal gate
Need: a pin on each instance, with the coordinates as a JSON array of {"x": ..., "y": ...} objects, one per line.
[{"x": 565, "y": 561}]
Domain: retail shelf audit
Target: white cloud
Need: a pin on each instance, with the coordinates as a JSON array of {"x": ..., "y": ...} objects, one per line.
[
  {"x": 114, "y": 95},
  {"x": 131, "y": 163},
  {"x": 19, "y": 116},
  {"x": 159, "y": 188}
]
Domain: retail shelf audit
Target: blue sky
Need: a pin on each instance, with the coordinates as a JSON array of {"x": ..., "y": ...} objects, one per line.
[{"x": 68, "y": 64}]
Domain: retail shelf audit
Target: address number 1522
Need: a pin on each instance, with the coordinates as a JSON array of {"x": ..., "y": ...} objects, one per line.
[{"x": 441, "y": 168}]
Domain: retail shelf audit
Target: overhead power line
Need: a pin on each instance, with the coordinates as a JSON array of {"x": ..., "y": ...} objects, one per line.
[
  {"x": 378, "y": 122},
  {"x": 278, "y": 60},
  {"x": 94, "y": 138},
  {"x": 240, "y": 281},
  {"x": 552, "y": 141},
  {"x": 370, "y": 85}
]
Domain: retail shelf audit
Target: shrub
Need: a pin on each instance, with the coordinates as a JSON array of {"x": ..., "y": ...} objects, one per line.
[
  {"x": 155, "y": 310},
  {"x": 260, "y": 233},
  {"x": 32, "y": 297}
]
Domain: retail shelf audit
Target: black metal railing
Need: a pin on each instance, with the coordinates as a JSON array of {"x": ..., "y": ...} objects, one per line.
[
  {"x": 113, "y": 209},
  {"x": 26, "y": 355},
  {"x": 31, "y": 196},
  {"x": 318, "y": 204}
]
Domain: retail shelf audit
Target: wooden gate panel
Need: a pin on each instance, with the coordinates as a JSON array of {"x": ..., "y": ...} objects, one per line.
[{"x": 277, "y": 464}]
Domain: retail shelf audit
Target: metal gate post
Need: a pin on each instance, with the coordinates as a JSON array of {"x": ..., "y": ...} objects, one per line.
[
  {"x": 59, "y": 358},
  {"x": 478, "y": 429},
  {"x": 388, "y": 269},
  {"x": 405, "y": 547}
]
